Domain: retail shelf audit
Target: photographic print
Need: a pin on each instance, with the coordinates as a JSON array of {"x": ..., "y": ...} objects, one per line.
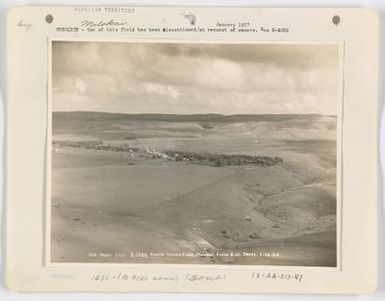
[{"x": 194, "y": 153}]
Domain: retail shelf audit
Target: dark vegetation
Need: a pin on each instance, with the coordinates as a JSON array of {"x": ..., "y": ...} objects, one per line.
[
  {"x": 223, "y": 159},
  {"x": 212, "y": 159}
]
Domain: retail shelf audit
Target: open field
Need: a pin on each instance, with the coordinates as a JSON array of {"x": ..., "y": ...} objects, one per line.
[{"x": 119, "y": 206}]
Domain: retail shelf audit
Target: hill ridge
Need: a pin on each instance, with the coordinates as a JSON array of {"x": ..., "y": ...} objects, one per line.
[{"x": 205, "y": 117}]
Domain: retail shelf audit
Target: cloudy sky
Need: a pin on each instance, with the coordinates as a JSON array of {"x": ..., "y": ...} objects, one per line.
[{"x": 195, "y": 78}]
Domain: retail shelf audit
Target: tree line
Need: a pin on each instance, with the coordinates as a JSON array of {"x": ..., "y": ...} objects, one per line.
[
  {"x": 206, "y": 158},
  {"x": 217, "y": 159}
]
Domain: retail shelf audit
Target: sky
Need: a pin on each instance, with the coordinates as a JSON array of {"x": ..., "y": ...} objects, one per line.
[{"x": 195, "y": 78}]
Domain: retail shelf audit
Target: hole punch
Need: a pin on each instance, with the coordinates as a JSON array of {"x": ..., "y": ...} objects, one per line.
[
  {"x": 49, "y": 19},
  {"x": 336, "y": 20}
]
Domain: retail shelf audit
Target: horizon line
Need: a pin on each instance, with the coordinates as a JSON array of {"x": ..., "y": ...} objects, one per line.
[{"x": 190, "y": 114}]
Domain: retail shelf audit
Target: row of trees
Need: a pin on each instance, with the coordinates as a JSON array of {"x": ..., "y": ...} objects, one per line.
[
  {"x": 216, "y": 159},
  {"x": 213, "y": 159}
]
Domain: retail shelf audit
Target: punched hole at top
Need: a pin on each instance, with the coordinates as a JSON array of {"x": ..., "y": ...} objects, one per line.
[
  {"x": 336, "y": 20},
  {"x": 49, "y": 19}
]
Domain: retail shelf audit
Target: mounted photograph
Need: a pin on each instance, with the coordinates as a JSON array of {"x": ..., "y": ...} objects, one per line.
[{"x": 194, "y": 153}]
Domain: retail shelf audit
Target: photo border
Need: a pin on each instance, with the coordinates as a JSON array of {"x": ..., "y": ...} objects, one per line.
[{"x": 261, "y": 267}]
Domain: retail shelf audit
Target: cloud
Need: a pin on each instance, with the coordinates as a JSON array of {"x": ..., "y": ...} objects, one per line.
[
  {"x": 81, "y": 85},
  {"x": 195, "y": 78},
  {"x": 297, "y": 56},
  {"x": 162, "y": 90},
  {"x": 219, "y": 74},
  {"x": 63, "y": 100}
]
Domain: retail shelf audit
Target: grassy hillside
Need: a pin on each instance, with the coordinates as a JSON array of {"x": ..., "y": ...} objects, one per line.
[
  {"x": 111, "y": 126},
  {"x": 138, "y": 183}
]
